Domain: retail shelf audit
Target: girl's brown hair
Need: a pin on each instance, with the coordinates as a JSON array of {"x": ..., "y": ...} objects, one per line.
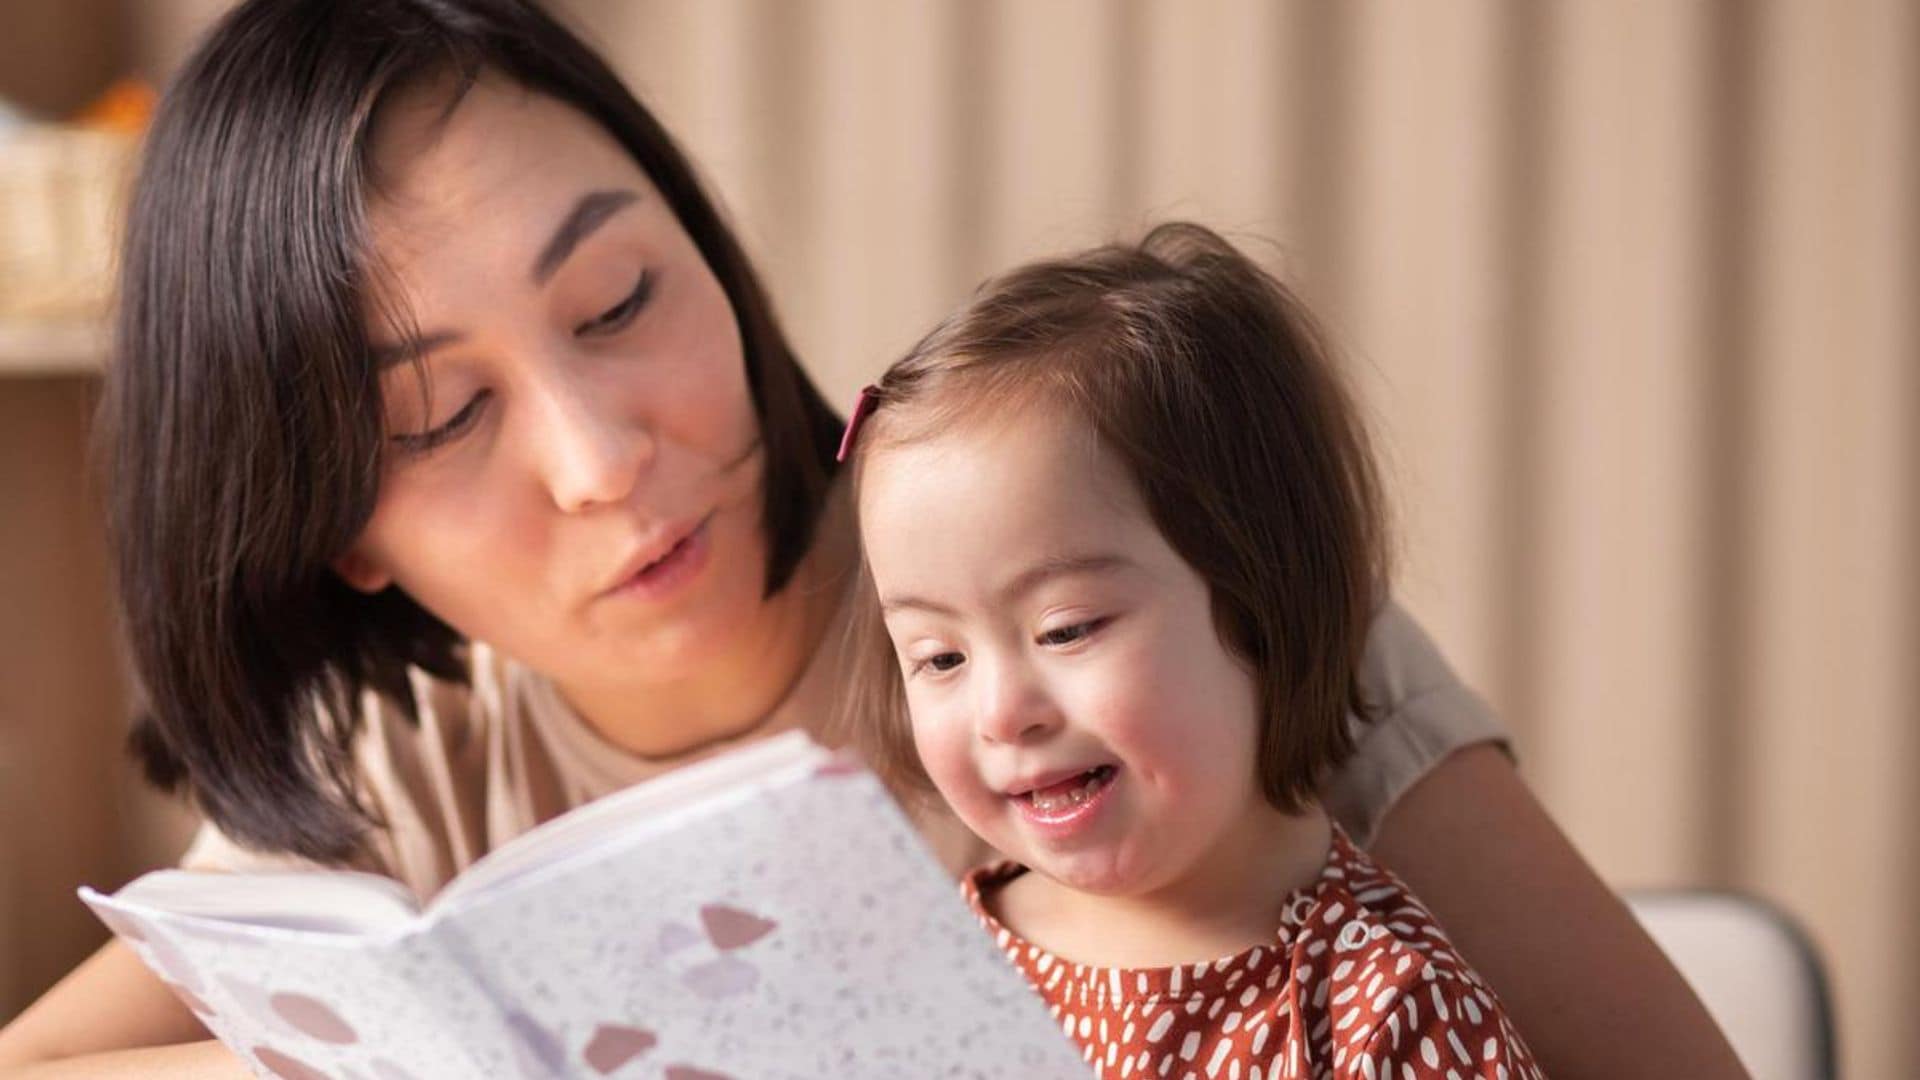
[{"x": 1211, "y": 383}]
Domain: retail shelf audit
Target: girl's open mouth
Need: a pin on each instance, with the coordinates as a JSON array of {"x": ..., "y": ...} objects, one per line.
[{"x": 1068, "y": 802}]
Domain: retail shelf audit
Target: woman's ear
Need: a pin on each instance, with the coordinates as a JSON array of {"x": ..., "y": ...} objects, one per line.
[{"x": 361, "y": 572}]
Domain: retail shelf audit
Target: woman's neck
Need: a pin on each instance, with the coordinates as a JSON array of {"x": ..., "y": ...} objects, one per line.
[{"x": 1230, "y": 901}]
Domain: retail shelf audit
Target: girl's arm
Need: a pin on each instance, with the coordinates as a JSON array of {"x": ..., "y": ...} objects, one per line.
[
  {"x": 1589, "y": 991},
  {"x": 112, "y": 1017}
]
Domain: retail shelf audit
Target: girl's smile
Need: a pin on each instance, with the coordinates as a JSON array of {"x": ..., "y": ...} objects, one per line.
[{"x": 1059, "y": 809}]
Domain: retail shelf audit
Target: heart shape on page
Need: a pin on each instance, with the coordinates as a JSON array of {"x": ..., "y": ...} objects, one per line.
[
  {"x": 613, "y": 1045},
  {"x": 731, "y": 928}
]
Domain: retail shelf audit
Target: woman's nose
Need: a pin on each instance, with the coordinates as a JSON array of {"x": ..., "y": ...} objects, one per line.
[
  {"x": 1015, "y": 708},
  {"x": 591, "y": 451}
]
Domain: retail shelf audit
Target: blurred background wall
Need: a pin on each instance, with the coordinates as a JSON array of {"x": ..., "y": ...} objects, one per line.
[{"x": 1629, "y": 288}]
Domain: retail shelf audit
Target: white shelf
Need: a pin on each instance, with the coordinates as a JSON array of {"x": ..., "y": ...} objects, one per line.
[{"x": 29, "y": 349}]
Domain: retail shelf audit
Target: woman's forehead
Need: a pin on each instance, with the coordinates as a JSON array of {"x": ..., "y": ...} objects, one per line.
[
  {"x": 468, "y": 191},
  {"x": 494, "y": 159}
]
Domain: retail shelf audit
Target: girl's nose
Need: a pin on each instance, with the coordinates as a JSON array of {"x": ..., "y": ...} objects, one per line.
[
  {"x": 1015, "y": 709},
  {"x": 591, "y": 452}
]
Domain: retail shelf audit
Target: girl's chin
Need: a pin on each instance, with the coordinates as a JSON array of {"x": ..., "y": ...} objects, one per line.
[{"x": 1096, "y": 874}]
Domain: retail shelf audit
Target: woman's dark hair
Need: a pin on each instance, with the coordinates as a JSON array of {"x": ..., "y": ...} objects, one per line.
[
  {"x": 1211, "y": 384},
  {"x": 243, "y": 420}
]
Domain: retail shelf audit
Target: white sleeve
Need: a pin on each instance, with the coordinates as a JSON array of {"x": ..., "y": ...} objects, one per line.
[{"x": 1424, "y": 713}]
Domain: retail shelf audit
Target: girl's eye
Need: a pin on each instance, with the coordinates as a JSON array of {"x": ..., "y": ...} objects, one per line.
[
  {"x": 619, "y": 315},
  {"x": 939, "y": 663},
  {"x": 1068, "y": 635},
  {"x": 457, "y": 424}
]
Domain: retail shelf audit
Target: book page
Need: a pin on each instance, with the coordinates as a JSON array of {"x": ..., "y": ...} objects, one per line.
[
  {"x": 318, "y": 901},
  {"x": 646, "y": 807},
  {"x": 798, "y": 928},
  {"x": 301, "y": 1006}
]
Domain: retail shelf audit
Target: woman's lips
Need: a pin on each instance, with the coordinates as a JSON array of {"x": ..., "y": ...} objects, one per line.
[{"x": 667, "y": 573}]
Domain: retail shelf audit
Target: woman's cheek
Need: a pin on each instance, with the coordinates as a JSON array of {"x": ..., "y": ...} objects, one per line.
[{"x": 713, "y": 349}]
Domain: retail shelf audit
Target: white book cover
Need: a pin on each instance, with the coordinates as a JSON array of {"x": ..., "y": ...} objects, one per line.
[{"x": 767, "y": 913}]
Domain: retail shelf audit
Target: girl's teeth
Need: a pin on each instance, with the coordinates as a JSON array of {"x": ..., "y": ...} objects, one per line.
[{"x": 1056, "y": 799}]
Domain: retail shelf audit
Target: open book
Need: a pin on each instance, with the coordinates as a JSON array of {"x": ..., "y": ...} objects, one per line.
[{"x": 765, "y": 913}]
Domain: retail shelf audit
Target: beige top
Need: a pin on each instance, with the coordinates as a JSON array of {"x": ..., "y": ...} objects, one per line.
[{"x": 491, "y": 760}]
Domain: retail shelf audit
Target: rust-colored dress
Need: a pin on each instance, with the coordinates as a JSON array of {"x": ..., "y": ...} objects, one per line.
[{"x": 1358, "y": 982}]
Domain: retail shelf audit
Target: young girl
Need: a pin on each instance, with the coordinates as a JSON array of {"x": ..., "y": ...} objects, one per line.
[{"x": 1119, "y": 635}]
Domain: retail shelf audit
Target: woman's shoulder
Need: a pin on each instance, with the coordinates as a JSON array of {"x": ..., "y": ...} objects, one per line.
[
  {"x": 1419, "y": 713},
  {"x": 445, "y": 730},
  {"x": 446, "y": 776},
  {"x": 1402, "y": 667},
  {"x": 443, "y": 713}
]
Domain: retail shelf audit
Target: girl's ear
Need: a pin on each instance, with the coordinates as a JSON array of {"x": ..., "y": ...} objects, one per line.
[{"x": 361, "y": 572}]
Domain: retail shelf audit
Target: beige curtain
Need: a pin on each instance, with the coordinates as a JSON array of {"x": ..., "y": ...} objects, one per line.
[{"x": 1628, "y": 287}]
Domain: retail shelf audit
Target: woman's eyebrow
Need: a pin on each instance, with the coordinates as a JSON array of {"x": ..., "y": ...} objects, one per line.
[
  {"x": 386, "y": 356},
  {"x": 592, "y": 211}
]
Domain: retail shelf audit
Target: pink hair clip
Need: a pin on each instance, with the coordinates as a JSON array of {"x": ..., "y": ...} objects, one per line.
[{"x": 863, "y": 407}]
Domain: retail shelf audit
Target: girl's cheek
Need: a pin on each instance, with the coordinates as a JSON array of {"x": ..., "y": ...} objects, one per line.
[
  {"x": 942, "y": 743},
  {"x": 1123, "y": 702}
]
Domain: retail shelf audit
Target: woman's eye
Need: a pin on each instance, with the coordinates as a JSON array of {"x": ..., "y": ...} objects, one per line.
[
  {"x": 1067, "y": 635},
  {"x": 458, "y": 423},
  {"x": 619, "y": 315}
]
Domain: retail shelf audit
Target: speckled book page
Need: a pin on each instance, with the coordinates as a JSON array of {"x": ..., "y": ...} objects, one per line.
[{"x": 792, "y": 926}]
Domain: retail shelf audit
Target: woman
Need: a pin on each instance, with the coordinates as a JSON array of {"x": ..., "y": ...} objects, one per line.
[{"x": 462, "y": 475}]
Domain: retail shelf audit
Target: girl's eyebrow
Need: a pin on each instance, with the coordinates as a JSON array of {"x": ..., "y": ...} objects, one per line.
[
  {"x": 1053, "y": 566},
  {"x": 591, "y": 212},
  {"x": 891, "y": 604},
  {"x": 1024, "y": 582}
]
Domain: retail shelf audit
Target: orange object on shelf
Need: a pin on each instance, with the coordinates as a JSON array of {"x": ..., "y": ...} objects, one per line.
[{"x": 124, "y": 108}]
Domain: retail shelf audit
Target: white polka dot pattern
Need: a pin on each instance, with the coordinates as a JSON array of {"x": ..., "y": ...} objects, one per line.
[{"x": 1360, "y": 982}]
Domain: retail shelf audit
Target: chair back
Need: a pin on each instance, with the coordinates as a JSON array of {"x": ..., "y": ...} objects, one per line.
[{"x": 1756, "y": 971}]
